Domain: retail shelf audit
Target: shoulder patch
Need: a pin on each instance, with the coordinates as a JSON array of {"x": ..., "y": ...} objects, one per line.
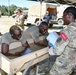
[{"x": 63, "y": 36}]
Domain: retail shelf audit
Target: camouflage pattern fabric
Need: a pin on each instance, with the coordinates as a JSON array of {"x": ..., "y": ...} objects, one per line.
[
  {"x": 20, "y": 21},
  {"x": 66, "y": 50}
]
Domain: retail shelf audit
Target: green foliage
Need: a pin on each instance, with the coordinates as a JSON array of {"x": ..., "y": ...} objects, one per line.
[{"x": 9, "y": 10}]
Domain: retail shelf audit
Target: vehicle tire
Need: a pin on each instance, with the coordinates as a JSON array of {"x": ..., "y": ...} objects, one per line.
[
  {"x": 28, "y": 24},
  {"x": 38, "y": 23},
  {"x": 2, "y": 72},
  {"x": 50, "y": 25},
  {"x": 60, "y": 21}
]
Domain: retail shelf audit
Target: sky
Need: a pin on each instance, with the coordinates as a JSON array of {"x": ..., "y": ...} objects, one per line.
[{"x": 20, "y": 3}]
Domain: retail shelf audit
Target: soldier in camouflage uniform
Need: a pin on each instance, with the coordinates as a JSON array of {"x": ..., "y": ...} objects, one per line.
[
  {"x": 66, "y": 47},
  {"x": 20, "y": 18}
]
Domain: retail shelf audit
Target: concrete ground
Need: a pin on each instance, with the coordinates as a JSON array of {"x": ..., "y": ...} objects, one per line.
[{"x": 7, "y": 22}]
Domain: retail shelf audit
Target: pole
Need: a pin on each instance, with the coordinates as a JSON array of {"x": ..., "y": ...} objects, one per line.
[
  {"x": 40, "y": 9},
  {"x": 8, "y": 8},
  {"x": 40, "y": 12}
]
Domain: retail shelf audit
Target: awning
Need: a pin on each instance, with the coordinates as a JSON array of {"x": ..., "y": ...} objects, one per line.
[{"x": 70, "y": 2}]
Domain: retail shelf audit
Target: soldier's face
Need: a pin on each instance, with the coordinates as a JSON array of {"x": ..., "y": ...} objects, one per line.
[
  {"x": 68, "y": 18},
  {"x": 43, "y": 29},
  {"x": 65, "y": 18}
]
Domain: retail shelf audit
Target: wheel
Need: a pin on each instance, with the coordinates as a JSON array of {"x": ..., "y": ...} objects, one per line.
[
  {"x": 38, "y": 22},
  {"x": 50, "y": 25},
  {"x": 60, "y": 21}
]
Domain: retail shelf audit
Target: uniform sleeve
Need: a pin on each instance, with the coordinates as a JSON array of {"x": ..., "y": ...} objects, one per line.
[
  {"x": 22, "y": 40},
  {"x": 68, "y": 32},
  {"x": 4, "y": 39},
  {"x": 65, "y": 31},
  {"x": 60, "y": 46}
]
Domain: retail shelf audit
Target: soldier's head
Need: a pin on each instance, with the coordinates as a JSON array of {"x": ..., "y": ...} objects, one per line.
[
  {"x": 15, "y": 32},
  {"x": 69, "y": 15},
  {"x": 18, "y": 11},
  {"x": 43, "y": 27}
]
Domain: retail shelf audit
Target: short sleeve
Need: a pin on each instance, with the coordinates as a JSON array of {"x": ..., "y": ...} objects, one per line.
[
  {"x": 22, "y": 40},
  {"x": 4, "y": 39}
]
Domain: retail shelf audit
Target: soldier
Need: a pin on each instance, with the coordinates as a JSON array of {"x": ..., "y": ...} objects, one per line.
[
  {"x": 47, "y": 17},
  {"x": 14, "y": 35},
  {"x": 35, "y": 32},
  {"x": 20, "y": 18},
  {"x": 66, "y": 47}
]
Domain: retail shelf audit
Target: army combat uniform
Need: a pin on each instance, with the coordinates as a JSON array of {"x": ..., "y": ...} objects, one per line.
[
  {"x": 20, "y": 20},
  {"x": 66, "y": 49}
]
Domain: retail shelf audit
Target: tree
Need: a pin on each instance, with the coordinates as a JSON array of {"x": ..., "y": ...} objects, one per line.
[{"x": 12, "y": 8}]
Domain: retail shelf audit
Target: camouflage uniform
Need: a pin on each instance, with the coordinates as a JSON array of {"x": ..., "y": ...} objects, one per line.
[
  {"x": 20, "y": 20},
  {"x": 66, "y": 50}
]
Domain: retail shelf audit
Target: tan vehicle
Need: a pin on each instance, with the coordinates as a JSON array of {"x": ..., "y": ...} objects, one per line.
[{"x": 37, "y": 11}]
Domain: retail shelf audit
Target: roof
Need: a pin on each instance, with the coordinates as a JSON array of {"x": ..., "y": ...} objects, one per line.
[{"x": 72, "y": 2}]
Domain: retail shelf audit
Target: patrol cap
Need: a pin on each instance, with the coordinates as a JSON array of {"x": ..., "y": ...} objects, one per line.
[{"x": 72, "y": 10}]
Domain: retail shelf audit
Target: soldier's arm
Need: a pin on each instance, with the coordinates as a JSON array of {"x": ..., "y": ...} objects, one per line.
[
  {"x": 25, "y": 45},
  {"x": 40, "y": 44},
  {"x": 5, "y": 50}
]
